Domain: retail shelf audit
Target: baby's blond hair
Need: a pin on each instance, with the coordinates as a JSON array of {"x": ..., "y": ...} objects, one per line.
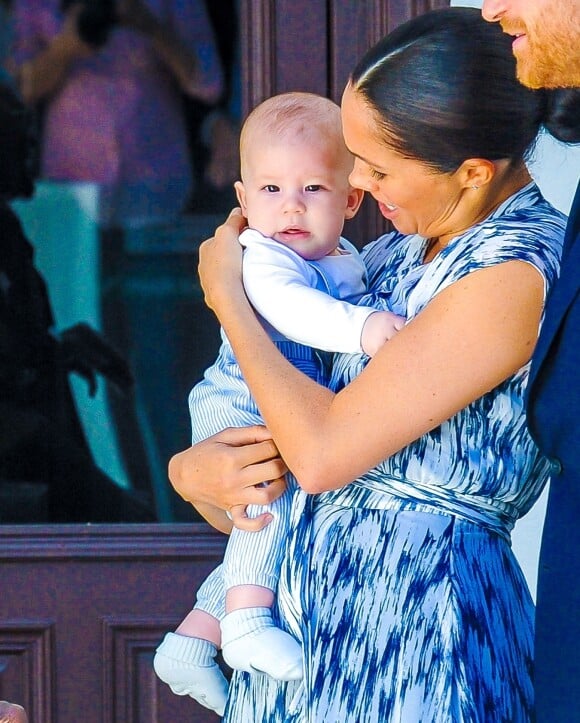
[{"x": 305, "y": 116}]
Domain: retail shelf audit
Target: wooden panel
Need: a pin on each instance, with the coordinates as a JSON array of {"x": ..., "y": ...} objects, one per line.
[
  {"x": 283, "y": 48},
  {"x": 26, "y": 670},
  {"x": 131, "y": 691},
  {"x": 257, "y": 51},
  {"x": 301, "y": 46},
  {"x": 305, "y": 45},
  {"x": 83, "y": 609}
]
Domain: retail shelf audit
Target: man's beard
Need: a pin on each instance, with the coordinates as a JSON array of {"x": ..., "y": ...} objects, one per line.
[
  {"x": 550, "y": 57},
  {"x": 545, "y": 64}
]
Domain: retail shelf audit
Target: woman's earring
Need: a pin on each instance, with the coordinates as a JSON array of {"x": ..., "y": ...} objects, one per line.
[{"x": 475, "y": 188}]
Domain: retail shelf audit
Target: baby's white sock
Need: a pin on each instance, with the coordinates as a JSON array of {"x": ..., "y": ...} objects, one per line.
[
  {"x": 188, "y": 666},
  {"x": 251, "y": 642}
]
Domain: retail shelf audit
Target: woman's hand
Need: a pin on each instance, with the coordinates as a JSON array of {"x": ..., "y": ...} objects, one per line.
[
  {"x": 220, "y": 261},
  {"x": 223, "y": 472}
]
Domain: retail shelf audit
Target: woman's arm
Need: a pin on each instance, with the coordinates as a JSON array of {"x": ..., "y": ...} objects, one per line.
[
  {"x": 42, "y": 75},
  {"x": 470, "y": 338},
  {"x": 224, "y": 470},
  {"x": 190, "y": 66}
]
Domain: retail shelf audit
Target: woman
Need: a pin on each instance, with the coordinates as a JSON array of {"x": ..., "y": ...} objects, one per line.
[{"x": 399, "y": 579}]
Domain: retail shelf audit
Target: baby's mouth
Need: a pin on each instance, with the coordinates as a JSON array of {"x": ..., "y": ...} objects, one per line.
[{"x": 294, "y": 232}]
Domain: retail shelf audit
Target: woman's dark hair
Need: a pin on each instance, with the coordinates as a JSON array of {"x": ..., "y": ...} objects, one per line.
[
  {"x": 443, "y": 88},
  {"x": 563, "y": 114}
]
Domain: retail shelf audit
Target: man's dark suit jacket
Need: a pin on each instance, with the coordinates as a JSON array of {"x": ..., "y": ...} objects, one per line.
[{"x": 554, "y": 418}]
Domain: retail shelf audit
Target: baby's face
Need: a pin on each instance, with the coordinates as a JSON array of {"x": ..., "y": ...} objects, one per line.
[{"x": 298, "y": 194}]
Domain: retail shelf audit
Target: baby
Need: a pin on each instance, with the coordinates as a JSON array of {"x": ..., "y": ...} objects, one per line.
[{"x": 304, "y": 280}]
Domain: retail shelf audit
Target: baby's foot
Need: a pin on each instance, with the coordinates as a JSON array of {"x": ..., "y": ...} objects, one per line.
[
  {"x": 188, "y": 666},
  {"x": 251, "y": 642}
]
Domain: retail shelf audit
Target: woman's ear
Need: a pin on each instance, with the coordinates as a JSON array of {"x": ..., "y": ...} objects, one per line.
[
  {"x": 353, "y": 202},
  {"x": 476, "y": 172},
  {"x": 241, "y": 196}
]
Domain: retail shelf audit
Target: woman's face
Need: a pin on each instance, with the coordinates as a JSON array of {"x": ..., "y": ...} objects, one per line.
[{"x": 416, "y": 199}]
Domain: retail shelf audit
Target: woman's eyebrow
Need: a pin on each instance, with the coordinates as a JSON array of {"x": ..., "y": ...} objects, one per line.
[{"x": 363, "y": 159}]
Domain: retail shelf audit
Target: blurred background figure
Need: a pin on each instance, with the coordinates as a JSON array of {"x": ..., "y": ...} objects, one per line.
[
  {"x": 137, "y": 106},
  {"x": 109, "y": 77},
  {"x": 12, "y": 713},
  {"x": 47, "y": 473},
  {"x": 215, "y": 130}
]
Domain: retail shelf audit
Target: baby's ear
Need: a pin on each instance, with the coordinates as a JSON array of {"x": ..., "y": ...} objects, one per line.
[
  {"x": 241, "y": 196},
  {"x": 354, "y": 200}
]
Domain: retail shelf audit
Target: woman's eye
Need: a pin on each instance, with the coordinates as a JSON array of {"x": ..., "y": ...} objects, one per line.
[
  {"x": 271, "y": 188},
  {"x": 377, "y": 175},
  {"x": 313, "y": 188}
]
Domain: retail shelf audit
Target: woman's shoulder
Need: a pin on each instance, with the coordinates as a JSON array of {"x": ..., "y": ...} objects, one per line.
[
  {"x": 525, "y": 228},
  {"x": 528, "y": 215}
]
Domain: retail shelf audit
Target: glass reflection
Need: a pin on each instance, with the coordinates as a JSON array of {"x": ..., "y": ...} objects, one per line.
[{"x": 138, "y": 157}]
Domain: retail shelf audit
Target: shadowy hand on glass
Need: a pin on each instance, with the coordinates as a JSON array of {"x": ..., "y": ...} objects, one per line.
[{"x": 86, "y": 352}]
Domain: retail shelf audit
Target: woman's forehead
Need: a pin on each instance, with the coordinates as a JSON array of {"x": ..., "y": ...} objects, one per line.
[{"x": 359, "y": 124}]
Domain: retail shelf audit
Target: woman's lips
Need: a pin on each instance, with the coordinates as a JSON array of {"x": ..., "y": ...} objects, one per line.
[{"x": 387, "y": 210}]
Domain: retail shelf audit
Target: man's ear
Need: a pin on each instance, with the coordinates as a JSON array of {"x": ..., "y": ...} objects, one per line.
[
  {"x": 353, "y": 202},
  {"x": 241, "y": 196}
]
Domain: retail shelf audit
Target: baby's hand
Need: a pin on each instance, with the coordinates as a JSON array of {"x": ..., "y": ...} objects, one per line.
[
  {"x": 239, "y": 516},
  {"x": 379, "y": 328}
]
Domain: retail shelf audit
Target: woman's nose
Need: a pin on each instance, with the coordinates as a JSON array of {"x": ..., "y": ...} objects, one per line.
[
  {"x": 361, "y": 179},
  {"x": 492, "y": 10}
]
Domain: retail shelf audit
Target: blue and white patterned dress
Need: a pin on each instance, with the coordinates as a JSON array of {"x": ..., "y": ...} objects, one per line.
[{"x": 402, "y": 586}]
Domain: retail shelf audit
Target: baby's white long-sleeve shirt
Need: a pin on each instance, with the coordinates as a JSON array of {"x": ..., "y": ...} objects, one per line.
[{"x": 310, "y": 302}]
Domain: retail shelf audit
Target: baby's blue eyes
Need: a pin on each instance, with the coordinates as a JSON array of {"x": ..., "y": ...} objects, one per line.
[{"x": 271, "y": 188}]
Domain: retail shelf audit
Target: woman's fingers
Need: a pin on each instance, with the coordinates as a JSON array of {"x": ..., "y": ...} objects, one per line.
[
  {"x": 220, "y": 261},
  {"x": 265, "y": 494},
  {"x": 235, "y": 221},
  {"x": 242, "y": 436},
  {"x": 227, "y": 232},
  {"x": 227, "y": 469},
  {"x": 249, "y": 456}
]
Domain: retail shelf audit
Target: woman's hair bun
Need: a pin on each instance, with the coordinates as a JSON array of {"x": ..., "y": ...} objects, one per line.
[{"x": 562, "y": 114}]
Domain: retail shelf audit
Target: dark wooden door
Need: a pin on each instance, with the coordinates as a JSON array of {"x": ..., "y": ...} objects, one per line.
[{"x": 83, "y": 608}]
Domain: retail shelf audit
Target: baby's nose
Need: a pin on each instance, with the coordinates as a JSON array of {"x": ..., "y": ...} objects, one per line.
[{"x": 294, "y": 204}]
